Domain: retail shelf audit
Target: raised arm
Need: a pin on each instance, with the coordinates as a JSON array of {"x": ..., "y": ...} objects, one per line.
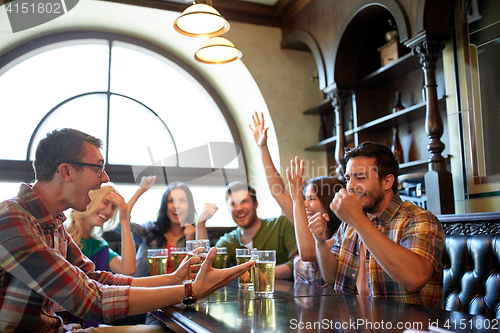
[
  {"x": 146, "y": 183},
  {"x": 208, "y": 211},
  {"x": 124, "y": 264},
  {"x": 327, "y": 261},
  {"x": 305, "y": 240},
  {"x": 274, "y": 180}
]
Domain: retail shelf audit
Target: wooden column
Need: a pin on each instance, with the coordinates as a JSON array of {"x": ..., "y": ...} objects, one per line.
[
  {"x": 339, "y": 101},
  {"x": 438, "y": 180}
]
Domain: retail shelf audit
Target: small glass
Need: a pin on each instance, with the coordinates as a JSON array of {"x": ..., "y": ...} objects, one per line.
[
  {"x": 197, "y": 248},
  {"x": 221, "y": 260},
  {"x": 157, "y": 261},
  {"x": 245, "y": 281},
  {"x": 263, "y": 271},
  {"x": 177, "y": 254}
]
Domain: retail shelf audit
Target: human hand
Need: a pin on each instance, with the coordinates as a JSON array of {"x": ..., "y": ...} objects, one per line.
[
  {"x": 208, "y": 211},
  {"x": 295, "y": 180},
  {"x": 189, "y": 231},
  {"x": 259, "y": 131},
  {"x": 182, "y": 272},
  {"x": 347, "y": 206},
  {"x": 318, "y": 226},
  {"x": 147, "y": 182},
  {"x": 118, "y": 201},
  {"x": 210, "y": 279}
]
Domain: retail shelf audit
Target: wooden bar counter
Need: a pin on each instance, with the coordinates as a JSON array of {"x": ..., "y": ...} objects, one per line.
[{"x": 311, "y": 309}]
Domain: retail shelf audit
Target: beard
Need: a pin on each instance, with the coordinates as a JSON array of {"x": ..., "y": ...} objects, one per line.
[{"x": 373, "y": 200}]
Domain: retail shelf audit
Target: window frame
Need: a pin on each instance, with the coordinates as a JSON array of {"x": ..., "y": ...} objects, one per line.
[{"x": 15, "y": 170}]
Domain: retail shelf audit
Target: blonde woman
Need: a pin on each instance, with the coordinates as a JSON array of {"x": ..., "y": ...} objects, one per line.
[{"x": 87, "y": 227}]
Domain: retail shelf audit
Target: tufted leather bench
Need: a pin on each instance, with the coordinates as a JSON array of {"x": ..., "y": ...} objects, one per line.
[{"x": 471, "y": 275}]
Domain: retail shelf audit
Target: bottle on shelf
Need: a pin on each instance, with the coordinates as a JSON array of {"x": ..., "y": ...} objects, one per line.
[
  {"x": 396, "y": 148},
  {"x": 398, "y": 106}
]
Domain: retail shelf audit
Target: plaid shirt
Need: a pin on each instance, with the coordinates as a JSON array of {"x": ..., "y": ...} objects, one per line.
[
  {"x": 41, "y": 266},
  {"x": 407, "y": 225}
]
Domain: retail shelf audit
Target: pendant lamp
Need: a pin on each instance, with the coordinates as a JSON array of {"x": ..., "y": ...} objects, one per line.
[
  {"x": 201, "y": 20},
  {"x": 217, "y": 50}
]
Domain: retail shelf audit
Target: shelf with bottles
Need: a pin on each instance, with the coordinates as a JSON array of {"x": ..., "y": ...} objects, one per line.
[
  {"x": 387, "y": 122},
  {"x": 406, "y": 115}
]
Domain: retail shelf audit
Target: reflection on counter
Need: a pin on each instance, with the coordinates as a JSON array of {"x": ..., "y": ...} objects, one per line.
[{"x": 264, "y": 316}]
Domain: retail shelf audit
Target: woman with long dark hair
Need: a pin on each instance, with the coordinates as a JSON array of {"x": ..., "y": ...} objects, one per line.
[{"x": 173, "y": 226}]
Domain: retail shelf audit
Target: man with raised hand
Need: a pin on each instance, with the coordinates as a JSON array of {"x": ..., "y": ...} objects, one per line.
[{"x": 384, "y": 247}]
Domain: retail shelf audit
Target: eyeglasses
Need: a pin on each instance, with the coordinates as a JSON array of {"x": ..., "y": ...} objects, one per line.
[{"x": 100, "y": 166}]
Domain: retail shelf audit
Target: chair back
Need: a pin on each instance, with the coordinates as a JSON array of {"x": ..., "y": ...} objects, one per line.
[{"x": 471, "y": 274}]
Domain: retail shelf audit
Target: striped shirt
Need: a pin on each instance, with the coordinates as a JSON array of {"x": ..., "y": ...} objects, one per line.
[
  {"x": 41, "y": 267},
  {"x": 407, "y": 225}
]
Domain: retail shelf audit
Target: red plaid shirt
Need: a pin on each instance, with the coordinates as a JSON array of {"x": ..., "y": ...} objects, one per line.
[
  {"x": 407, "y": 225},
  {"x": 41, "y": 266}
]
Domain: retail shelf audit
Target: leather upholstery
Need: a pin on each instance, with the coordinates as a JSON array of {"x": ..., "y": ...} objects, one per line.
[{"x": 471, "y": 275}]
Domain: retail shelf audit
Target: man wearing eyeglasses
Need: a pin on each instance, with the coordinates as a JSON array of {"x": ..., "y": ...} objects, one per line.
[{"x": 41, "y": 266}]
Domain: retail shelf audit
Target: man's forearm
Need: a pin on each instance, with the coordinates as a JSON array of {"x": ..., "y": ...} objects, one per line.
[
  {"x": 403, "y": 265},
  {"x": 283, "y": 272},
  {"x": 142, "y": 300},
  {"x": 156, "y": 281}
]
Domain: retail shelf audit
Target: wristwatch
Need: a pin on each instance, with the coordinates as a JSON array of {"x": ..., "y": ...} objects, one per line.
[{"x": 189, "y": 297}]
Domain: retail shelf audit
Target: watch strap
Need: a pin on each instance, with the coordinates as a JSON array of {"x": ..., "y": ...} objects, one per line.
[{"x": 189, "y": 297}]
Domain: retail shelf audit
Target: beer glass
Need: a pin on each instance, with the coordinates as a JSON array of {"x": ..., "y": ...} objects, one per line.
[
  {"x": 221, "y": 259},
  {"x": 157, "y": 261},
  {"x": 246, "y": 280},
  {"x": 176, "y": 256},
  {"x": 197, "y": 248},
  {"x": 263, "y": 271}
]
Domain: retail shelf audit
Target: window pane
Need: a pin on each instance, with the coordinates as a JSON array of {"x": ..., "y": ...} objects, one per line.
[
  {"x": 137, "y": 136},
  {"x": 40, "y": 80},
  {"x": 484, "y": 35},
  {"x": 184, "y": 105},
  {"x": 87, "y": 114}
]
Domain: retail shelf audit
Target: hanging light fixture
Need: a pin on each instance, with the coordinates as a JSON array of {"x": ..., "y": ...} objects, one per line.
[
  {"x": 201, "y": 20},
  {"x": 217, "y": 50}
]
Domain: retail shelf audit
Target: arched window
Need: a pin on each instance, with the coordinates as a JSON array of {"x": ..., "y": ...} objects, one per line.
[{"x": 154, "y": 113}]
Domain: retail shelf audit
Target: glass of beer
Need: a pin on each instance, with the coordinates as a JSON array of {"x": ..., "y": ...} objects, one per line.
[
  {"x": 157, "y": 261},
  {"x": 221, "y": 259},
  {"x": 197, "y": 248},
  {"x": 176, "y": 256},
  {"x": 245, "y": 281},
  {"x": 263, "y": 271}
]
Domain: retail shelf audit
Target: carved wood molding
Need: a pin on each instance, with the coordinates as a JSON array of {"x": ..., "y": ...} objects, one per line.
[
  {"x": 428, "y": 52},
  {"x": 471, "y": 224},
  {"x": 339, "y": 102},
  {"x": 471, "y": 228}
]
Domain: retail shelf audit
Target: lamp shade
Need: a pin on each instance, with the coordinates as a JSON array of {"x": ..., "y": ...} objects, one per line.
[
  {"x": 217, "y": 50},
  {"x": 201, "y": 20}
]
